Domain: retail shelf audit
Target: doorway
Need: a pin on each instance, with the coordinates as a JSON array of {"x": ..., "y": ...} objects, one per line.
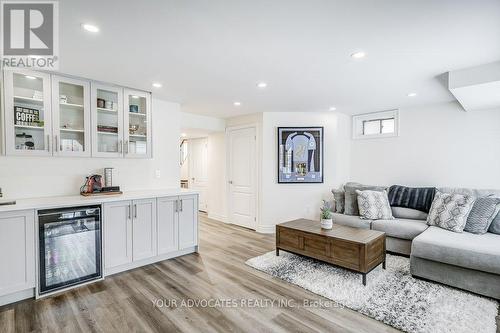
[{"x": 242, "y": 176}]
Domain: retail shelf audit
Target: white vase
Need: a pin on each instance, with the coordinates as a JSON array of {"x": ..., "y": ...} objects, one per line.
[{"x": 326, "y": 223}]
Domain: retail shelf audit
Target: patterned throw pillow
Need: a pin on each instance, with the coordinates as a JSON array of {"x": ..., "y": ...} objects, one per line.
[
  {"x": 374, "y": 205},
  {"x": 351, "y": 197},
  {"x": 450, "y": 211},
  {"x": 495, "y": 225},
  {"x": 339, "y": 197},
  {"x": 482, "y": 214}
]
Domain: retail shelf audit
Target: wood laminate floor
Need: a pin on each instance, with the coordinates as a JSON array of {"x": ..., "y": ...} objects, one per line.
[{"x": 124, "y": 302}]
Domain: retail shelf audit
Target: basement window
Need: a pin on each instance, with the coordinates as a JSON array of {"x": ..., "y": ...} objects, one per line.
[{"x": 376, "y": 125}]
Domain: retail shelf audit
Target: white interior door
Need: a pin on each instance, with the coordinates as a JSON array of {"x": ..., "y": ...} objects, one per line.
[
  {"x": 198, "y": 169},
  {"x": 242, "y": 177}
]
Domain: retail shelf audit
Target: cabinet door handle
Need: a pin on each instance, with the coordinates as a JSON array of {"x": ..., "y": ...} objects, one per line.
[
  {"x": 129, "y": 210},
  {"x": 56, "y": 143},
  {"x": 176, "y": 206},
  {"x": 181, "y": 205},
  {"x": 120, "y": 146},
  {"x": 48, "y": 143},
  {"x": 135, "y": 210},
  {"x": 126, "y": 147}
]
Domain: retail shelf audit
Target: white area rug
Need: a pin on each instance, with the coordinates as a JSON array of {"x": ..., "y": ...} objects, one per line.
[{"x": 391, "y": 296}]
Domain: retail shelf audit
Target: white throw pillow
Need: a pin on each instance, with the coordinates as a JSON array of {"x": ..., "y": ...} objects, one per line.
[
  {"x": 450, "y": 211},
  {"x": 374, "y": 205}
]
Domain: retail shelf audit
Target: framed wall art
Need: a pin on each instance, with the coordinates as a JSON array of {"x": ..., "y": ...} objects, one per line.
[{"x": 300, "y": 155}]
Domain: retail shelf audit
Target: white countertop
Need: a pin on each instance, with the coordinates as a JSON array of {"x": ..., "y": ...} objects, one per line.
[{"x": 79, "y": 200}]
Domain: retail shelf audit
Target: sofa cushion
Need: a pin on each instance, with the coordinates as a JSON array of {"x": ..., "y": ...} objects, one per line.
[
  {"x": 400, "y": 228},
  {"x": 482, "y": 214},
  {"x": 339, "y": 199},
  {"x": 408, "y": 213},
  {"x": 450, "y": 211},
  {"x": 470, "y": 191},
  {"x": 374, "y": 205},
  {"x": 495, "y": 225},
  {"x": 419, "y": 198},
  {"x": 351, "y": 197},
  {"x": 479, "y": 252},
  {"x": 351, "y": 221}
]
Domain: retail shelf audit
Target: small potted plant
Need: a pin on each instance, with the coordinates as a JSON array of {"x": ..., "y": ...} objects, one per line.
[{"x": 326, "y": 215}]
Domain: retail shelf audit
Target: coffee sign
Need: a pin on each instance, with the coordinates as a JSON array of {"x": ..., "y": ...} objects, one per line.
[{"x": 26, "y": 116}]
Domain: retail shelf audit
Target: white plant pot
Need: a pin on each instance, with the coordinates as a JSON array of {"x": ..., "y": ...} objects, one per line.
[{"x": 326, "y": 223}]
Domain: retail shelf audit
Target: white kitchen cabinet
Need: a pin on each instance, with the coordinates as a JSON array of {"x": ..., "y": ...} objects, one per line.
[
  {"x": 129, "y": 231},
  {"x": 27, "y": 113},
  {"x": 137, "y": 124},
  {"x": 71, "y": 125},
  {"x": 188, "y": 221},
  {"x": 54, "y": 115},
  {"x": 107, "y": 120},
  {"x": 117, "y": 222},
  {"x": 144, "y": 229},
  {"x": 168, "y": 225},
  {"x": 17, "y": 251}
]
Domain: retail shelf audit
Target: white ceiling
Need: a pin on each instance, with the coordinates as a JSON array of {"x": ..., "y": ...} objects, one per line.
[{"x": 209, "y": 54}]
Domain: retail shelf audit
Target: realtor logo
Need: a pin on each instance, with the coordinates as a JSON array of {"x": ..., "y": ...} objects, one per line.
[{"x": 29, "y": 34}]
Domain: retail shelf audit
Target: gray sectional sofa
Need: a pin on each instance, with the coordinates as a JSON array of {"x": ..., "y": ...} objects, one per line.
[{"x": 463, "y": 260}]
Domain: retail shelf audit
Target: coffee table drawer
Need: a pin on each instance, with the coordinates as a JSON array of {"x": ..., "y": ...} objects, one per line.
[
  {"x": 317, "y": 246},
  {"x": 346, "y": 253},
  {"x": 288, "y": 238}
]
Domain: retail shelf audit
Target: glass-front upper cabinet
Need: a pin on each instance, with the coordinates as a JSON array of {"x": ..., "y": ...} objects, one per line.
[
  {"x": 137, "y": 116},
  {"x": 107, "y": 120},
  {"x": 71, "y": 116},
  {"x": 27, "y": 113}
]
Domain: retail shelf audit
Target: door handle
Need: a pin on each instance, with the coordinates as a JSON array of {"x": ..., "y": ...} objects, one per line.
[
  {"x": 48, "y": 143},
  {"x": 126, "y": 147},
  {"x": 129, "y": 211},
  {"x": 230, "y": 182},
  {"x": 181, "y": 205},
  {"x": 56, "y": 143},
  {"x": 135, "y": 210},
  {"x": 120, "y": 146}
]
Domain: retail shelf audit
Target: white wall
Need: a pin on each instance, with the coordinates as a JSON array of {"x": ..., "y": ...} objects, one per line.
[
  {"x": 195, "y": 121},
  {"x": 284, "y": 202},
  {"x": 22, "y": 177},
  {"x": 439, "y": 145}
]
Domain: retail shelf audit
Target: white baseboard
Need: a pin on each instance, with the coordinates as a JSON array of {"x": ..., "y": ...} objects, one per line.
[
  {"x": 218, "y": 217},
  {"x": 144, "y": 262},
  {"x": 17, "y": 296},
  {"x": 266, "y": 229}
]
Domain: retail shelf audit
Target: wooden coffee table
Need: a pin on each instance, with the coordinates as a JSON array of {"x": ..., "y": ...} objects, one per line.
[{"x": 359, "y": 250}]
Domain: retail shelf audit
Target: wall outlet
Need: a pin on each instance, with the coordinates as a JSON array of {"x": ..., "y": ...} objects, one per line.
[{"x": 158, "y": 173}]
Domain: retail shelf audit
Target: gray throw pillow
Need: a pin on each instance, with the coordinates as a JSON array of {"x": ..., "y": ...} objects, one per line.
[
  {"x": 482, "y": 214},
  {"x": 495, "y": 225},
  {"x": 339, "y": 198},
  {"x": 374, "y": 205},
  {"x": 351, "y": 197},
  {"x": 450, "y": 211}
]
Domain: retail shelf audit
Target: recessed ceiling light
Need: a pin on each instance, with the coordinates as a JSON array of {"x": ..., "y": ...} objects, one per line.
[
  {"x": 261, "y": 85},
  {"x": 413, "y": 94},
  {"x": 30, "y": 77},
  {"x": 157, "y": 85},
  {"x": 237, "y": 103},
  {"x": 183, "y": 135},
  {"x": 90, "y": 27},
  {"x": 332, "y": 108},
  {"x": 358, "y": 55},
  {"x": 135, "y": 96}
]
